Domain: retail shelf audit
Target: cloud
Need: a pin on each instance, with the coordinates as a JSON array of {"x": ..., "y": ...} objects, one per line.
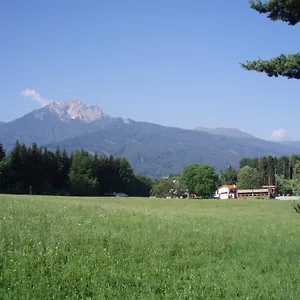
[
  {"x": 34, "y": 95},
  {"x": 279, "y": 135}
]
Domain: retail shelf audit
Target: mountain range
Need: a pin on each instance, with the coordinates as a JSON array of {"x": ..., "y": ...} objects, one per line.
[{"x": 153, "y": 150}]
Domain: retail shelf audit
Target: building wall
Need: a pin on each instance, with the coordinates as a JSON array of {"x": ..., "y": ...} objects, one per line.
[
  {"x": 224, "y": 196},
  {"x": 252, "y": 194},
  {"x": 223, "y": 190}
]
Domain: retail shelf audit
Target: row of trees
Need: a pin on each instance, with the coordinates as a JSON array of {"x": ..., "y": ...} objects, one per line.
[
  {"x": 40, "y": 171},
  {"x": 265, "y": 170},
  {"x": 270, "y": 166},
  {"x": 283, "y": 172}
]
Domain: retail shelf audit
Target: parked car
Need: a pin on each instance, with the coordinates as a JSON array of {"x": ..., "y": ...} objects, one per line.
[{"x": 116, "y": 195}]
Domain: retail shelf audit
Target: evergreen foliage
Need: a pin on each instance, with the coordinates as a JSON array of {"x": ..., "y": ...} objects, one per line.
[
  {"x": 288, "y": 66},
  {"x": 40, "y": 171},
  {"x": 284, "y": 172}
]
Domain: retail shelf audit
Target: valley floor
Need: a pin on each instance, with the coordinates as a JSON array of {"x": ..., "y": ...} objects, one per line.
[{"x": 135, "y": 248}]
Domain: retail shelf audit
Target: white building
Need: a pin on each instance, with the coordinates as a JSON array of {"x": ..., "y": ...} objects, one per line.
[{"x": 226, "y": 191}]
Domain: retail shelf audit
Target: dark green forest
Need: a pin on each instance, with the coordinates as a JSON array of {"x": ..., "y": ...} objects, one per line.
[
  {"x": 283, "y": 172},
  {"x": 39, "y": 171},
  {"x": 271, "y": 167}
]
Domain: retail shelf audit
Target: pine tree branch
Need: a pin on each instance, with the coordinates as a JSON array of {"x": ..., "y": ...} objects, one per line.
[
  {"x": 283, "y": 65},
  {"x": 284, "y": 10}
]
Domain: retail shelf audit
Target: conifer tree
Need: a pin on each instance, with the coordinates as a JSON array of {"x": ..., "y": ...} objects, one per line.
[
  {"x": 288, "y": 66},
  {"x": 2, "y": 152}
]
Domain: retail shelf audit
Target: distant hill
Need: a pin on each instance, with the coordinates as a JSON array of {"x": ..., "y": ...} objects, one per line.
[
  {"x": 231, "y": 132},
  {"x": 152, "y": 149}
]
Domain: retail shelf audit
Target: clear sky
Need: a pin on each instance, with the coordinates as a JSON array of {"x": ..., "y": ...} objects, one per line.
[{"x": 165, "y": 61}]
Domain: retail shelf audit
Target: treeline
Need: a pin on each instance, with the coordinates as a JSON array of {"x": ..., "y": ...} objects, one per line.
[
  {"x": 270, "y": 167},
  {"x": 284, "y": 172},
  {"x": 40, "y": 171}
]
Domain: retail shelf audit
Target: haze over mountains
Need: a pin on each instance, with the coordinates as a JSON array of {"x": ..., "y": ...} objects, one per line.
[{"x": 151, "y": 149}]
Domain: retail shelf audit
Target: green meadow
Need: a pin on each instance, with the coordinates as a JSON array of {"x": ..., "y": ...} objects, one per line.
[{"x": 143, "y": 248}]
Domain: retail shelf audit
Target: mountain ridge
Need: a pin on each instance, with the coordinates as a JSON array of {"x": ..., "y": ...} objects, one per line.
[
  {"x": 232, "y": 132},
  {"x": 173, "y": 149},
  {"x": 152, "y": 149}
]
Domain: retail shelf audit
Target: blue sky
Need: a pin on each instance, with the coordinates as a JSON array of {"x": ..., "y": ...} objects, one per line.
[{"x": 165, "y": 61}]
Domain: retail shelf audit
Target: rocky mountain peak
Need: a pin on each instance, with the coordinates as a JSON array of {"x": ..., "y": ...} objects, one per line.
[{"x": 75, "y": 109}]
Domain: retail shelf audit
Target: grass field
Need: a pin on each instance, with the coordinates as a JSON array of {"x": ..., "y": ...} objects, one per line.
[{"x": 113, "y": 248}]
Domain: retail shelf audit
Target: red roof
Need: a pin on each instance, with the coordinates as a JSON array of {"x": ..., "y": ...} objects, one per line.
[{"x": 229, "y": 186}]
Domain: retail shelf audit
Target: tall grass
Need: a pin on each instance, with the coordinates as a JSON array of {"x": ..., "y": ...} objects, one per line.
[{"x": 100, "y": 248}]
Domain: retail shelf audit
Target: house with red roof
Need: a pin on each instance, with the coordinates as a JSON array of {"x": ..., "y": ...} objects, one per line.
[{"x": 226, "y": 191}]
